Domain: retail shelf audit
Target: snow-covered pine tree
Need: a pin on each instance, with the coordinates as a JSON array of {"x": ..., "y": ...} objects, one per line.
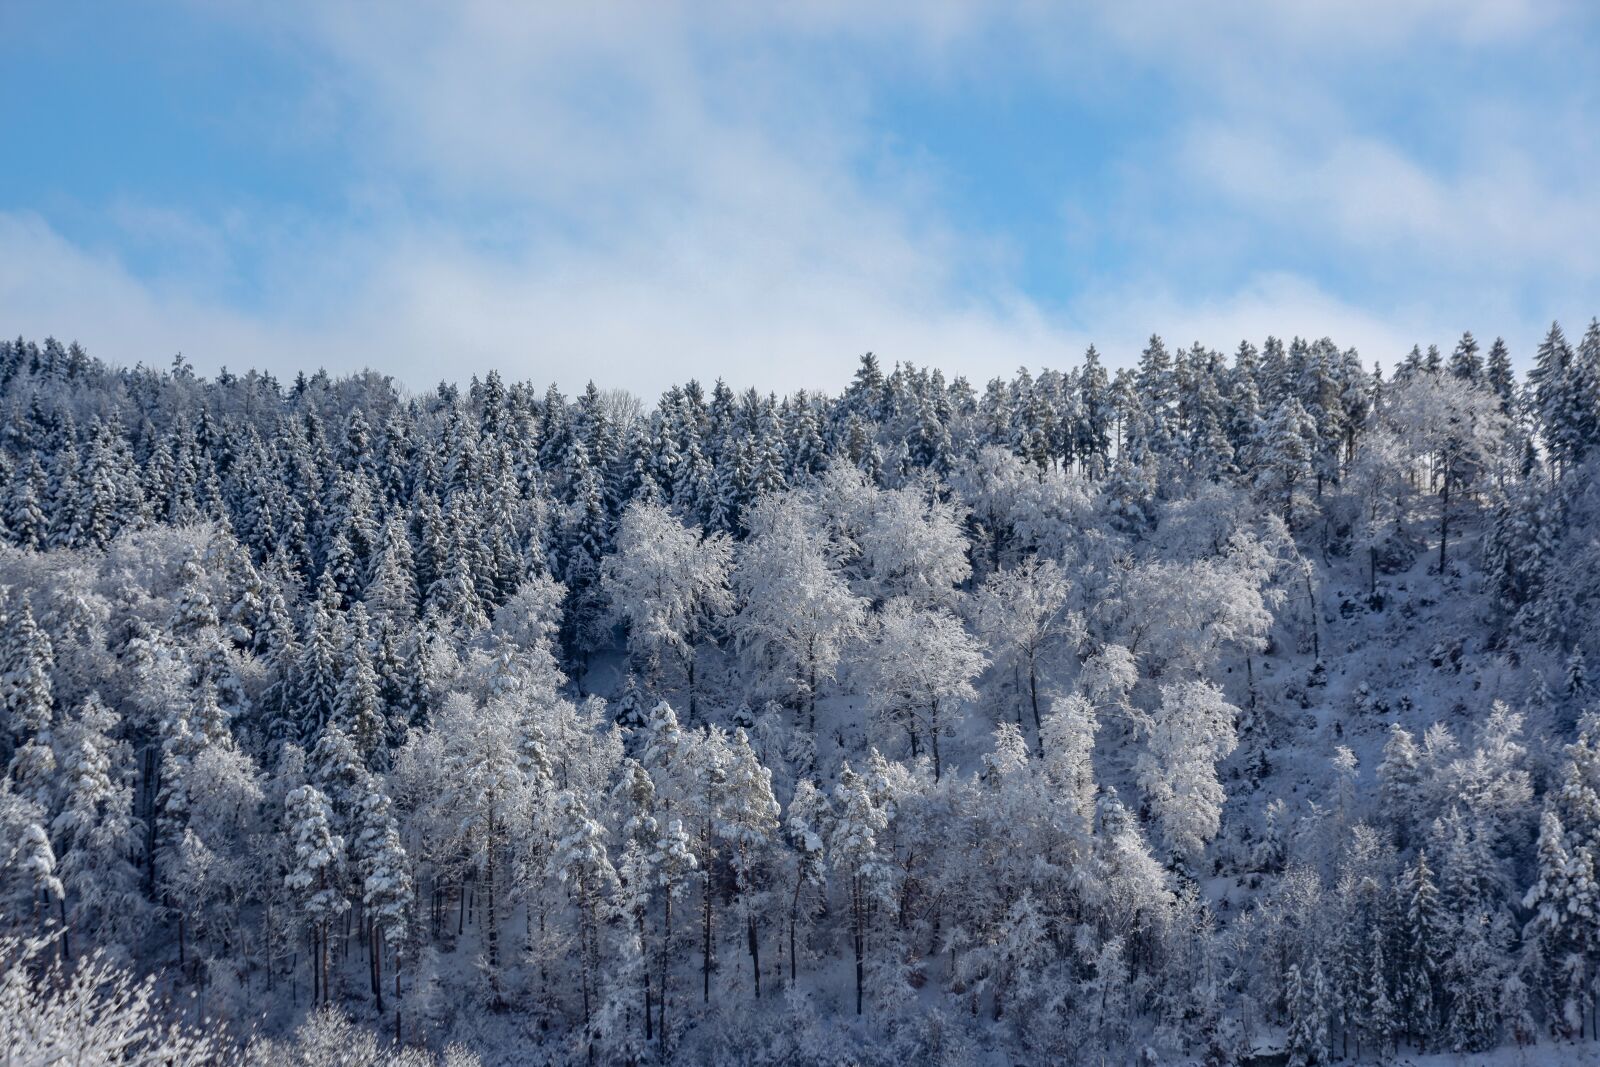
[
  {"x": 358, "y": 706},
  {"x": 313, "y": 690},
  {"x": 581, "y": 862},
  {"x": 26, "y": 688},
  {"x": 315, "y": 875},
  {"x": 1308, "y": 997},
  {"x": 1423, "y": 946},
  {"x": 1565, "y": 909},
  {"x": 98, "y": 839},
  {"x": 386, "y": 885}
]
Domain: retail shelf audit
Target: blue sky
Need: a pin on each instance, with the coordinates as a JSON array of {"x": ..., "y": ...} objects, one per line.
[{"x": 640, "y": 193}]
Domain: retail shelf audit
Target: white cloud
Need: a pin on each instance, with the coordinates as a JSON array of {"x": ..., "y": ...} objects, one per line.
[
  {"x": 50, "y": 286},
  {"x": 1370, "y": 196},
  {"x": 432, "y": 311},
  {"x": 640, "y": 193}
]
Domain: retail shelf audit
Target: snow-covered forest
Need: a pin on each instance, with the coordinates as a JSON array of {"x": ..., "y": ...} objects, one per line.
[{"x": 1220, "y": 705}]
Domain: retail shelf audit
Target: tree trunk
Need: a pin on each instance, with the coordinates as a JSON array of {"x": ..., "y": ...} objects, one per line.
[
  {"x": 755, "y": 951},
  {"x": 583, "y": 952},
  {"x": 794, "y": 920},
  {"x": 934, "y": 731},
  {"x": 694, "y": 704},
  {"x": 811, "y": 690},
  {"x": 377, "y": 970},
  {"x": 1444, "y": 520},
  {"x": 490, "y": 918},
  {"x": 705, "y": 952},
  {"x": 666, "y": 959},
  {"x": 1016, "y": 684},
  {"x": 857, "y": 920},
  {"x": 649, "y": 1022},
  {"x": 1033, "y": 696},
  {"x": 152, "y": 783}
]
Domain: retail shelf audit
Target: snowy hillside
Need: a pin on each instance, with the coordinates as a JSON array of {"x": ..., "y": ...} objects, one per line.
[{"x": 1214, "y": 710}]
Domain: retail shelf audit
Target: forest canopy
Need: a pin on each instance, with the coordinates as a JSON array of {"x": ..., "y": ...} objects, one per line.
[{"x": 1215, "y": 705}]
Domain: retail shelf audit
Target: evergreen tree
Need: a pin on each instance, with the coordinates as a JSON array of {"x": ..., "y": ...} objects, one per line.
[
  {"x": 1565, "y": 906},
  {"x": 98, "y": 839},
  {"x": 1464, "y": 361},
  {"x": 1551, "y": 384},
  {"x": 1377, "y": 1019},
  {"x": 24, "y": 517},
  {"x": 314, "y": 875},
  {"x": 1424, "y": 947},
  {"x": 1308, "y": 997},
  {"x": 1399, "y": 780},
  {"x": 385, "y": 874},
  {"x": 581, "y": 862},
  {"x": 1498, "y": 373},
  {"x": 27, "y": 659},
  {"x": 358, "y": 706},
  {"x": 313, "y": 691},
  {"x": 1283, "y": 452}
]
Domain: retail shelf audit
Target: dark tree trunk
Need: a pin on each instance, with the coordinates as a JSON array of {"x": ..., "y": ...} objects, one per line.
[
  {"x": 811, "y": 690},
  {"x": 705, "y": 951},
  {"x": 1444, "y": 521},
  {"x": 755, "y": 952},
  {"x": 1033, "y": 697},
  {"x": 858, "y": 921},
  {"x": 1016, "y": 684},
  {"x": 490, "y": 918},
  {"x": 666, "y": 950},
  {"x": 377, "y": 970},
  {"x": 694, "y": 703},
  {"x": 794, "y": 921}
]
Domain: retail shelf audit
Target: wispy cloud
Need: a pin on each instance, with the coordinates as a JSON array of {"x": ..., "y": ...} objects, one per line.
[{"x": 642, "y": 192}]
